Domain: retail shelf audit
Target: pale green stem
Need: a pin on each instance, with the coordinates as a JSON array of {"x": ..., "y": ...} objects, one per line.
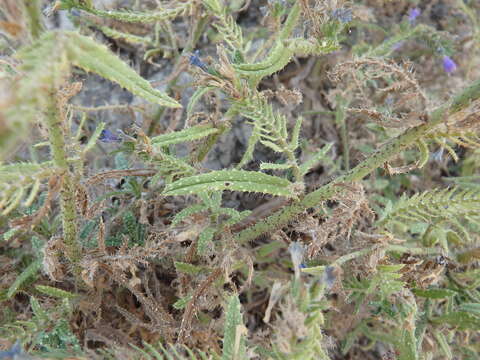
[
  {"x": 34, "y": 17},
  {"x": 67, "y": 192},
  {"x": 390, "y": 150}
]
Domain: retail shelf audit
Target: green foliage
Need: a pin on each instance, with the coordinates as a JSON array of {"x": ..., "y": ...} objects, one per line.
[
  {"x": 47, "y": 330},
  {"x": 205, "y": 239},
  {"x": 233, "y": 338},
  {"x": 406, "y": 293},
  {"x": 30, "y": 271},
  {"x": 226, "y": 25},
  {"x": 21, "y": 181},
  {"x": 190, "y": 134},
  {"x": 269, "y": 128},
  {"x": 94, "y": 57},
  {"x": 128, "y": 16},
  {"x": 55, "y": 292},
  {"x": 318, "y": 156},
  {"x": 234, "y": 180},
  {"x": 455, "y": 207}
]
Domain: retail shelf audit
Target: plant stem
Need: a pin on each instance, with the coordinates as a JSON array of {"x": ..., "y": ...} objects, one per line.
[
  {"x": 67, "y": 192},
  {"x": 385, "y": 153},
  {"x": 34, "y": 17}
]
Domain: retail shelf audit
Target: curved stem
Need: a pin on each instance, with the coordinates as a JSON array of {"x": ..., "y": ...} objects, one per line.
[{"x": 385, "y": 153}]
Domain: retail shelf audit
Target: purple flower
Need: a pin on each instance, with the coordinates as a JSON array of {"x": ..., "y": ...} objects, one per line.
[
  {"x": 329, "y": 277},
  {"x": 397, "y": 45},
  {"x": 108, "y": 137},
  {"x": 195, "y": 60},
  {"x": 413, "y": 14},
  {"x": 448, "y": 64},
  {"x": 343, "y": 15}
]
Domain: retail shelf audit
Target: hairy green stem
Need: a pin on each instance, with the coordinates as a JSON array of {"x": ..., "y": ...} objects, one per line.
[
  {"x": 293, "y": 160},
  {"x": 67, "y": 192},
  {"x": 34, "y": 17},
  {"x": 385, "y": 153}
]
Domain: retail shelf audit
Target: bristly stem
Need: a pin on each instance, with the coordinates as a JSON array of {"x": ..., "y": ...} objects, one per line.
[
  {"x": 384, "y": 154},
  {"x": 67, "y": 193},
  {"x": 34, "y": 17}
]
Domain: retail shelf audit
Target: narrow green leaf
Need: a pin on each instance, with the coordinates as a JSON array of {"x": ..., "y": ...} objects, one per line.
[
  {"x": 197, "y": 95},
  {"x": 307, "y": 165},
  {"x": 442, "y": 341},
  {"x": 37, "y": 310},
  {"x": 473, "y": 308},
  {"x": 204, "y": 239},
  {"x": 272, "y": 146},
  {"x": 188, "y": 211},
  {"x": 93, "y": 139},
  {"x": 462, "y": 319},
  {"x": 89, "y": 55},
  {"x": 234, "y": 180},
  {"x": 29, "y": 271},
  {"x": 271, "y": 166},
  {"x": 232, "y": 348},
  {"x": 187, "y": 268},
  {"x": 296, "y": 134},
  {"x": 190, "y": 134},
  {"x": 55, "y": 292},
  {"x": 182, "y": 302},
  {"x": 434, "y": 293}
]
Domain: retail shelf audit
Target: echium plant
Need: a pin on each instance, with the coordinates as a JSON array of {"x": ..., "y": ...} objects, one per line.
[{"x": 393, "y": 298}]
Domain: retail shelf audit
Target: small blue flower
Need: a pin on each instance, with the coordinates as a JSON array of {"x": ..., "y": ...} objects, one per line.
[
  {"x": 195, "y": 60},
  {"x": 397, "y": 45},
  {"x": 438, "y": 155},
  {"x": 448, "y": 64},
  {"x": 108, "y": 137},
  {"x": 413, "y": 14},
  {"x": 329, "y": 277},
  {"x": 343, "y": 15}
]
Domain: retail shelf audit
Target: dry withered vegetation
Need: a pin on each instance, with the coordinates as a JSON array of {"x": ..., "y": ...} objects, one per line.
[{"x": 138, "y": 220}]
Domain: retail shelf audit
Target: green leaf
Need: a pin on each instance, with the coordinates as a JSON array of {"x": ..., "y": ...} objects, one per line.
[
  {"x": 205, "y": 238},
  {"x": 296, "y": 134},
  {"x": 461, "y": 319},
  {"x": 188, "y": 211},
  {"x": 434, "y": 293},
  {"x": 272, "y": 146},
  {"x": 442, "y": 341},
  {"x": 93, "y": 139},
  {"x": 187, "y": 268},
  {"x": 190, "y": 134},
  {"x": 319, "y": 155},
  {"x": 55, "y": 292},
  {"x": 29, "y": 271},
  {"x": 271, "y": 166},
  {"x": 37, "y": 310},
  {"x": 182, "y": 302},
  {"x": 390, "y": 268},
  {"x": 8, "y": 234},
  {"x": 233, "y": 339},
  {"x": 473, "y": 308},
  {"x": 138, "y": 17},
  {"x": 89, "y": 55},
  {"x": 234, "y": 180},
  {"x": 315, "y": 270},
  {"x": 197, "y": 95}
]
